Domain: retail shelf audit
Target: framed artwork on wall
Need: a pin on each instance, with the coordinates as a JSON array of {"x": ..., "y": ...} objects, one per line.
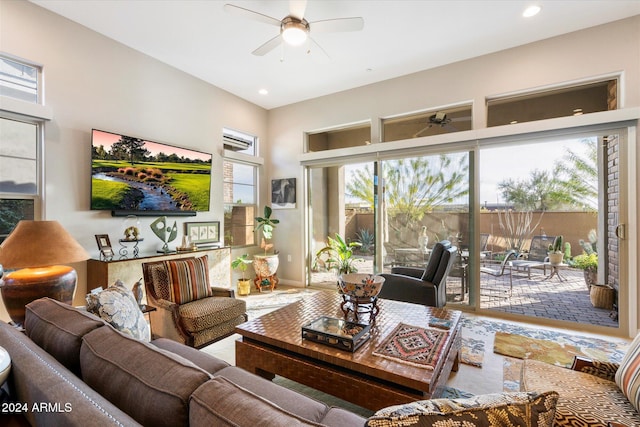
[
  {"x": 283, "y": 193},
  {"x": 202, "y": 232}
]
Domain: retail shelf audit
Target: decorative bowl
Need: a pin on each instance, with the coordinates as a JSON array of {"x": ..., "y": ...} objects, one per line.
[{"x": 360, "y": 285}]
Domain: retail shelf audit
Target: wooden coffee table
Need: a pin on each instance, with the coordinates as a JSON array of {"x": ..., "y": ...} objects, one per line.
[{"x": 272, "y": 345}]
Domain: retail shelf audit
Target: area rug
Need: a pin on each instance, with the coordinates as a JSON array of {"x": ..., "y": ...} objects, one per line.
[
  {"x": 521, "y": 347},
  {"x": 595, "y": 348},
  {"x": 413, "y": 345}
]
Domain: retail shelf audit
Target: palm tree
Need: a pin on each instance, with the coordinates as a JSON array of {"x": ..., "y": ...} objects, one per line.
[
  {"x": 414, "y": 187},
  {"x": 577, "y": 176}
]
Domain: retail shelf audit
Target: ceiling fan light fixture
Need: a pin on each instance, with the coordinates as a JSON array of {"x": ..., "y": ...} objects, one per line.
[{"x": 294, "y": 31}]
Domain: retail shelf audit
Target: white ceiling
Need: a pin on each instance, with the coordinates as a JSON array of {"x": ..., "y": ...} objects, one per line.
[{"x": 399, "y": 37}]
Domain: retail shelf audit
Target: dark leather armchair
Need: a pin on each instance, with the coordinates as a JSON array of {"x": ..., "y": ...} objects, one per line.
[{"x": 422, "y": 286}]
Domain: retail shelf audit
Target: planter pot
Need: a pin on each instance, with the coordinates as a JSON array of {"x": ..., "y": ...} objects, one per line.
[
  {"x": 244, "y": 287},
  {"x": 555, "y": 258},
  {"x": 602, "y": 296},
  {"x": 590, "y": 276},
  {"x": 265, "y": 265}
]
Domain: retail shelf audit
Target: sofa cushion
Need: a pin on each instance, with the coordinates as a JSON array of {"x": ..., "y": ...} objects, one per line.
[
  {"x": 584, "y": 399},
  {"x": 628, "y": 374},
  {"x": 58, "y": 329},
  {"x": 150, "y": 384},
  {"x": 219, "y": 402},
  {"x": 286, "y": 399},
  {"x": 509, "y": 409},
  {"x": 188, "y": 279},
  {"x": 117, "y": 306},
  {"x": 48, "y": 393},
  {"x": 201, "y": 359},
  {"x": 206, "y": 313}
]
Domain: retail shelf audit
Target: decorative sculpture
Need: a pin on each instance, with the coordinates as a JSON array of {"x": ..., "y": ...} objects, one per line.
[{"x": 164, "y": 232}]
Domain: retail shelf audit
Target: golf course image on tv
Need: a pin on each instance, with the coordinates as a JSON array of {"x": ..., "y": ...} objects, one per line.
[{"x": 133, "y": 174}]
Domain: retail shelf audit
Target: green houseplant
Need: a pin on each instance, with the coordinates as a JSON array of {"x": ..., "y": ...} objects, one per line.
[
  {"x": 337, "y": 255},
  {"x": 266, "y": 224},
  {"x": 588, "y": 263},
  {"x": 266, "y": 265},
  {"x": 241, "y": 264}
]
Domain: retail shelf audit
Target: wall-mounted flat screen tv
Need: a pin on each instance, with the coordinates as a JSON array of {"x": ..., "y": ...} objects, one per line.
[{"x": 135, "y": 175}]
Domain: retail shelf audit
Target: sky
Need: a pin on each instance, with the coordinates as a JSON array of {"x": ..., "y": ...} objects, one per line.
[
  {"x": 516, "y": 162},
  {"x": 107, "y": 139}
]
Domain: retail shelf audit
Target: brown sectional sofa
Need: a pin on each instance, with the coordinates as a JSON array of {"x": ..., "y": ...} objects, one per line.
[{"x": 89, "y": 374}]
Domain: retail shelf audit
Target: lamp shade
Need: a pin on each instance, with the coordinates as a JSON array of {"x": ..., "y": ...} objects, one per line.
[{"x": 40, "y": 244}]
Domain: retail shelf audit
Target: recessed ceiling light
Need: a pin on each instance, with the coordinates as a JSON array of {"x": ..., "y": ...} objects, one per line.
[
  {"x": 263, "y": 92},
  {"x": 531, "y": 11}
]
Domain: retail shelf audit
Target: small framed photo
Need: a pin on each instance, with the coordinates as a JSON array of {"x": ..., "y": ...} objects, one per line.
[
  {"x": 104, "y": 244},
  {"x": 202, "y": 232}
]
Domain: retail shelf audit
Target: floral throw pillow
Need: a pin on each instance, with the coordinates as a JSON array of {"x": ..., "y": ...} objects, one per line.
[{"x": 117, "y": 306}]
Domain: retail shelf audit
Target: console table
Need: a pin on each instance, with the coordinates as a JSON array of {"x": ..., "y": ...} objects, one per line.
[{"x": 102, "y": 273}]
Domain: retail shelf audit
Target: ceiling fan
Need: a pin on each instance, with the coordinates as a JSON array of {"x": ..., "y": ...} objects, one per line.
[
  {"x": 294, "y": 28},
  {"x": 440, "y": 119}
]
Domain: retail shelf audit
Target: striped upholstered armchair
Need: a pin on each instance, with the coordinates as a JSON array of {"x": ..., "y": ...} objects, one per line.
[{"x": 189, "y": 309}]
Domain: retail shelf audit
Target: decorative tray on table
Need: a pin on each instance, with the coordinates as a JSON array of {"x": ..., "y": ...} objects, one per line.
[{"x": 337, "y": 333}]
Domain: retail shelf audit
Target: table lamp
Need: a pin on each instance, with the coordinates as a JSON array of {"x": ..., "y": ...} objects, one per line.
[{"x": 34, "y": 251}]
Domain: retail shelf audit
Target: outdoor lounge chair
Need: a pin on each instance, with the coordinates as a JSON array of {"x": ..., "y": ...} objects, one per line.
[
  {"x": 537, "y": 256},
  {"x": 500, "y": 270}
]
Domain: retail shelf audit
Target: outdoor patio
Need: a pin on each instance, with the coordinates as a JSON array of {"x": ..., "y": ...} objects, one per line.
[
  {"x": 551, "y": 298},
  {"x": 537, "y": 296}
]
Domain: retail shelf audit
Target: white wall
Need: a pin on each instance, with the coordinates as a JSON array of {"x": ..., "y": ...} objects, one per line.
[
  {"x": 599, "y": 51},
  {"x": 94, "y": 82}
]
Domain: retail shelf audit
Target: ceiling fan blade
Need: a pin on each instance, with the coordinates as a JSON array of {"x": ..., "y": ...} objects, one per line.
[
  {"x": 421, "y": 131},
  {"x": 324, "y": 56},
  {"x": 337, "y": 25},
  {"x": 250, "y": 14},
  {"x": 297, "y": 8},
  {"x": 268, "y": 46}
]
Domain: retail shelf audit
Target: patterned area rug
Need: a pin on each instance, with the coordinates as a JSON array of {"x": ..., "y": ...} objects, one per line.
[
  {"x": 413, "y": 345},
  {"x": 522, "y": 347}
]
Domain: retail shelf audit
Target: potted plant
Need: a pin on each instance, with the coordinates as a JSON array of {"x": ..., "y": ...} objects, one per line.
[
  {"x": 337, "y": 256},
  {"x": 241, "y": 263},
  {"x": 588, "y": 263},
  {"x": 266, "y": 265},
  {"x": 556, "y": 254}
]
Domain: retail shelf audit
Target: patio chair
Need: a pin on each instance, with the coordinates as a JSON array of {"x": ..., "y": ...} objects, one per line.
[
  {"x": 425, "y": 286},
  {"x": 537, "y": 257},
  {"x": 484, "y": 240},
  {"x": 500, "y": 270}
]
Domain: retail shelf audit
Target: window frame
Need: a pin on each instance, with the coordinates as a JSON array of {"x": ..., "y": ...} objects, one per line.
[{"x": 251, "y": 160}]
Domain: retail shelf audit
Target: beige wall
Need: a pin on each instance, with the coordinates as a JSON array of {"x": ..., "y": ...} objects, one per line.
[
  {"x": 94, "y": 82},
  {"x": 567, "y": 58}
]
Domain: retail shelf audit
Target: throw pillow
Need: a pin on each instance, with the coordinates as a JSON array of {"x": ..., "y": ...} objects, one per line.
[
  {"x": 628, "y": 374},
  {"x": 498, "y": 409},
  {"x": 117, "y": 306},
  {"x": 188, "y": 279}
]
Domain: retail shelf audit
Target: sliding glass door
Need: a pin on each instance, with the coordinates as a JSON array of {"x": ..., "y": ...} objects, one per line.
[
  {"x": 395, "y": 210},
  {"x": 563, "y": 188}
]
